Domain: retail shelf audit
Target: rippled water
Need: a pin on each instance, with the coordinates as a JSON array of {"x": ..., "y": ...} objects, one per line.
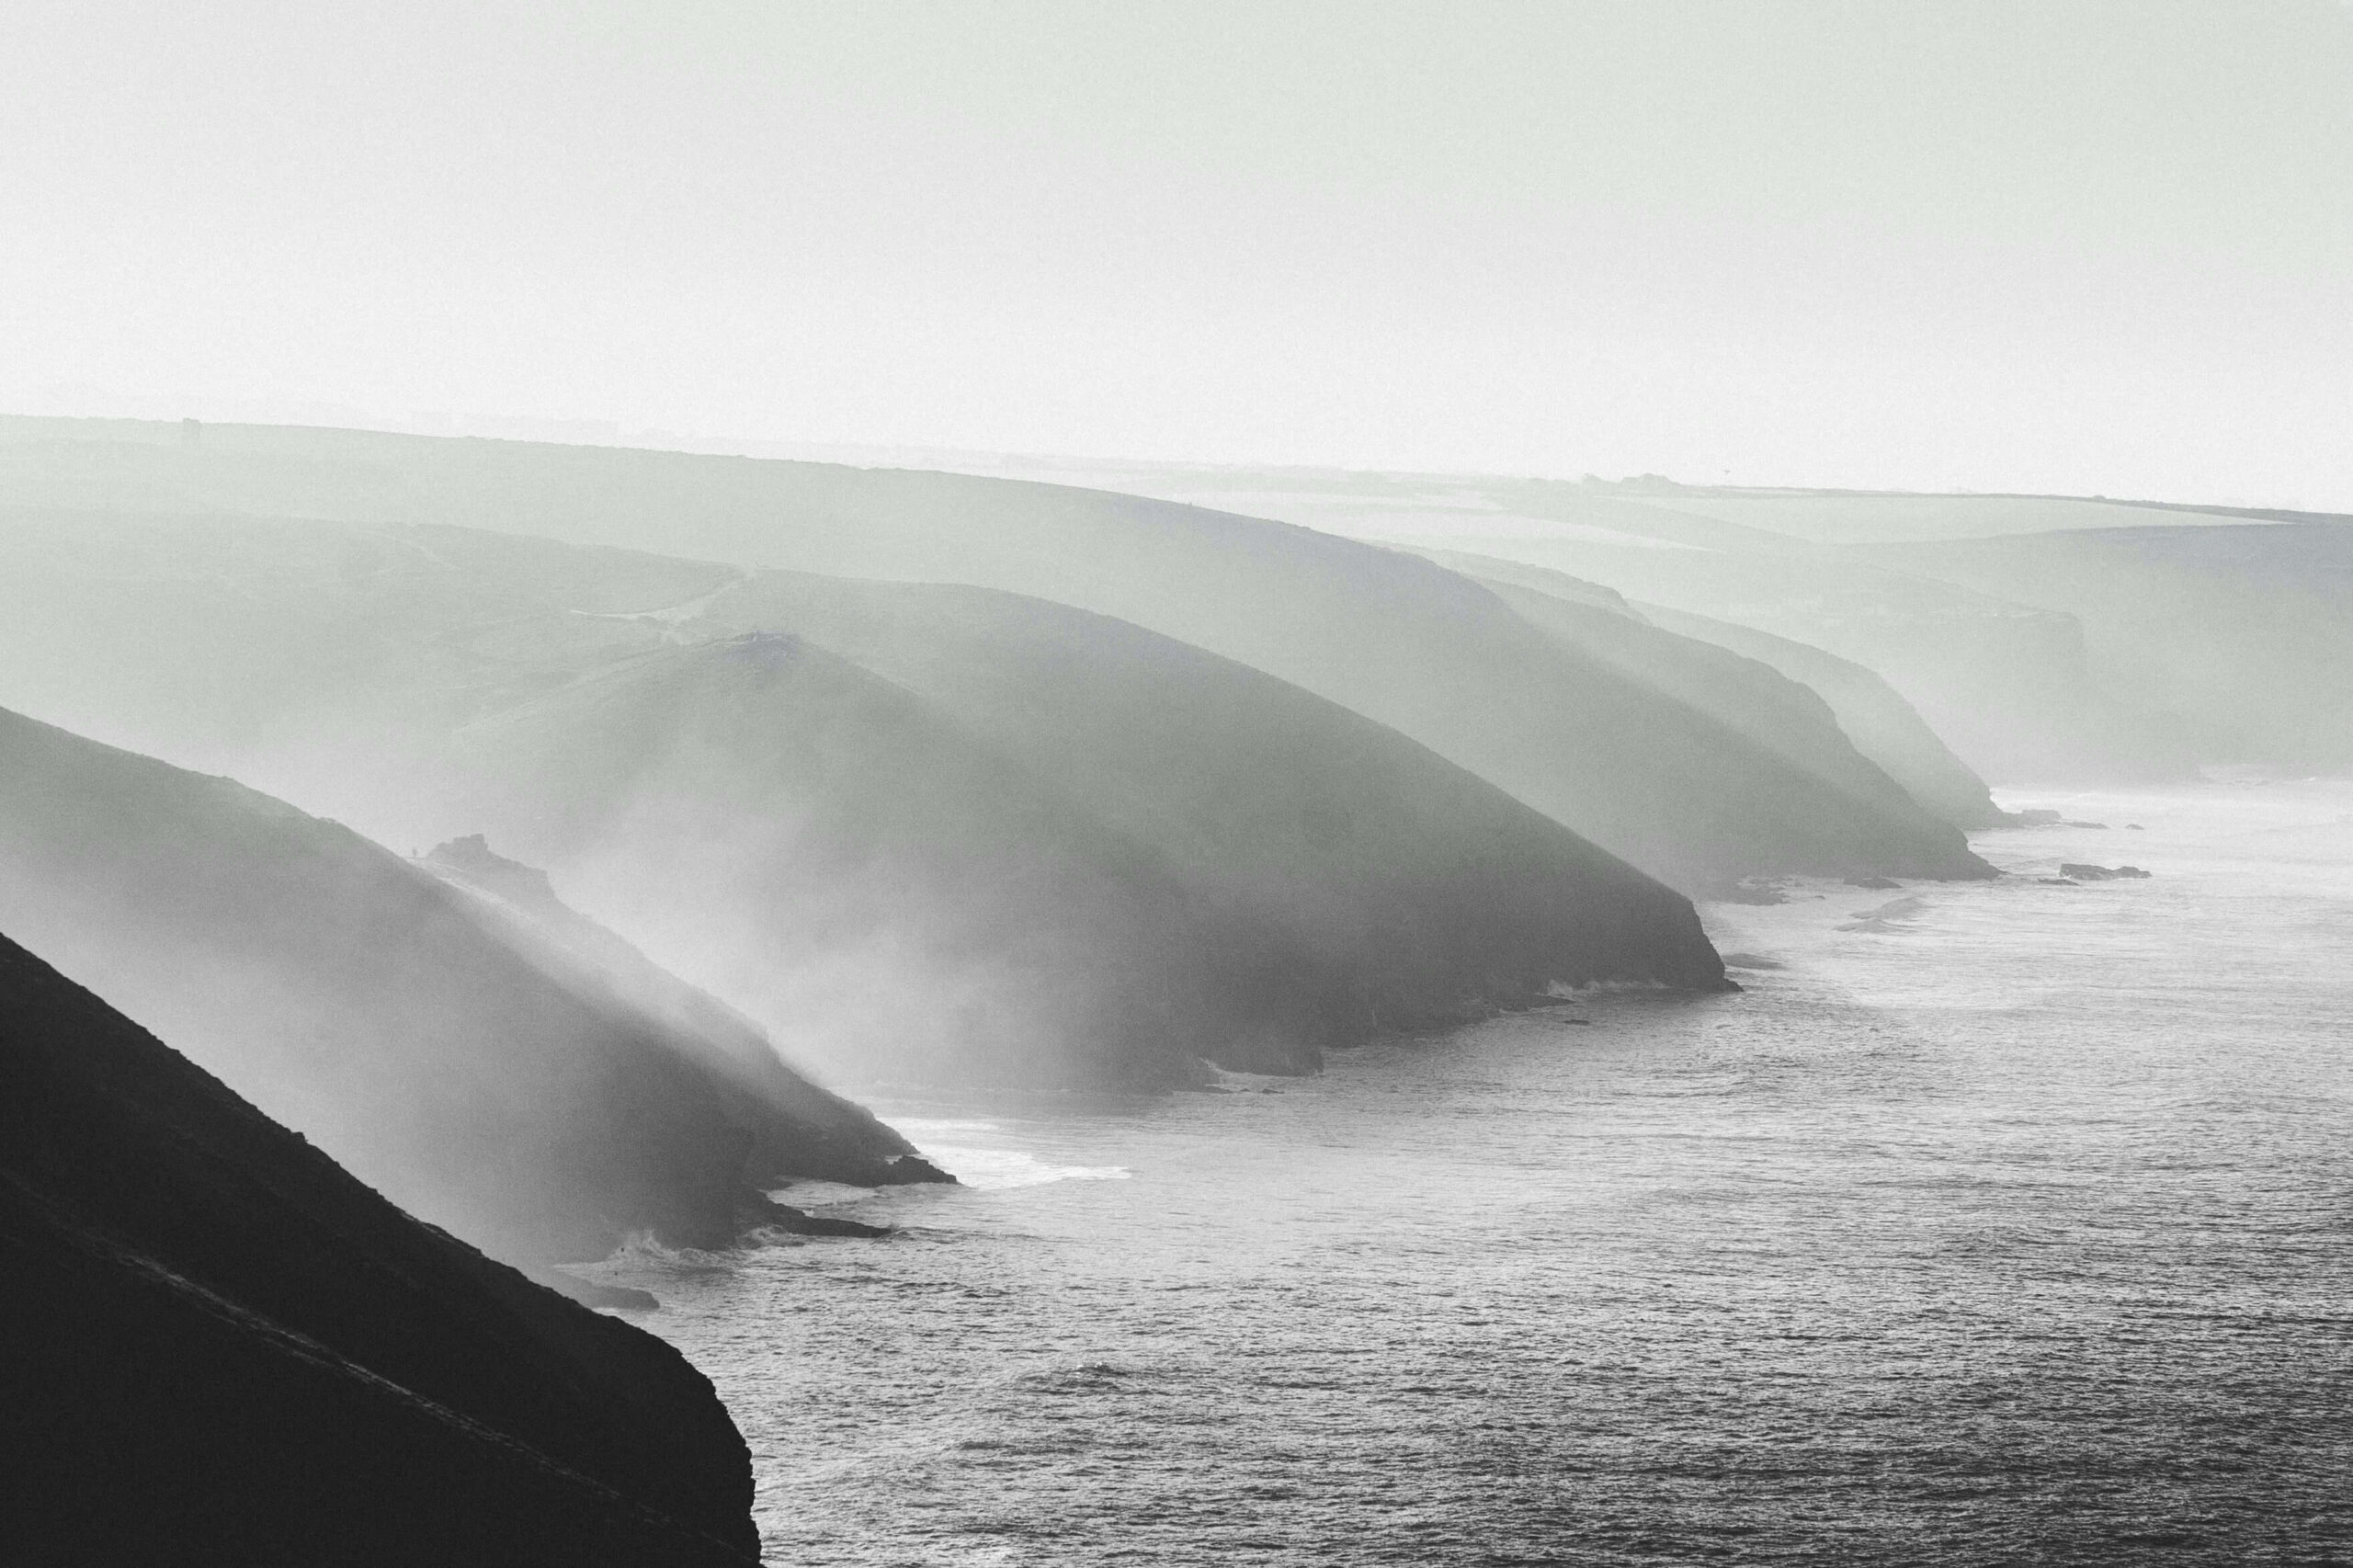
[{"x": 2004, "y": 1222}]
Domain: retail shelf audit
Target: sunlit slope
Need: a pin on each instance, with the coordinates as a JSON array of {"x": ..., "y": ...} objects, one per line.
[
  {"x": 2243, "y": 630},
  {"x": 1398, "y": 640},
  {"x": 219, "y": 1346},
  {"x": 361, "y": 1001}
]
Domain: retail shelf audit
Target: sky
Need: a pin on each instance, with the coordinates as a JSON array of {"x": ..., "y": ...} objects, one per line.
[{"x": 2058, "y": 246}]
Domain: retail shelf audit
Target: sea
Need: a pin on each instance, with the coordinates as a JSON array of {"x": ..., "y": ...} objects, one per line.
[{"x": 1997, "y": 1222}]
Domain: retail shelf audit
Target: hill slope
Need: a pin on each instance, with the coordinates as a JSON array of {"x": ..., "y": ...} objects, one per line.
[
  {"x": 1400, "y": 640},
  {"x": 1419, "y": 879},
  {"x": 1828, "y": 715},
  {"x": 2242, "y": 628},
  {"x": 219, "y": 1346},
  {"x": 2016, "y": 679},
  {"x": 994, "y": 820},
  {"x": 536, "y": 1112},
  {"x": 1874, "y": 716},
  {"x": 844, "y": 853}
]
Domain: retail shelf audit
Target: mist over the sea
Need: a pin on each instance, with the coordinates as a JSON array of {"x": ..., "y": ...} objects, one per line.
[
  {"x": 1058, "y": 784},
  {"x": 1999, "y": 1222}
]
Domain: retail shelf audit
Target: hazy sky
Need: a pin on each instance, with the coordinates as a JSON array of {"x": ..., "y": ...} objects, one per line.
[{"x": 2098, "y": 247}]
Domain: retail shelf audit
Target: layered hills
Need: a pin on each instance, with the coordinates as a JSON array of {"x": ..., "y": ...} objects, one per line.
[
  {"x": 219, "y": 1346},
  {"x": 2044, "y": 638},
  {"x": 530, "y": 1104},
  {"x": 1873, "y": 714},
  {"x": 1414, "y": 647},
  {"x": 910, "y": 903},
  {"x": 2243, "y": 630},
  {"x": 1830, "y": 716},
  {"x": 1066, "y": 829},
  {"x": 917, "y": 831}
]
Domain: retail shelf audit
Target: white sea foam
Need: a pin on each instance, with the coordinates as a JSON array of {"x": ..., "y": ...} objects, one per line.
[
  {"x": 984, "y": 1155},
  {"x": 820, "y": 1194},
  {"x": 2012, "y": 1236},
  {"x": 990, "y": 1169}
]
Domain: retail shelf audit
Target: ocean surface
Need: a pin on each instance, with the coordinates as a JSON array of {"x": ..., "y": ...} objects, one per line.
[{"x": 2003, "y": 1222}]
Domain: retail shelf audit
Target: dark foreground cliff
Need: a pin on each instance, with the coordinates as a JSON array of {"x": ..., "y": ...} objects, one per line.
[{"x": 218, "y": 1347}]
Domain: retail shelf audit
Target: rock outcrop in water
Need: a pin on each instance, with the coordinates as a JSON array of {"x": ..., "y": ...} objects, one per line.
[
  {"x": 218, "y": 1347},
  {"x": 2088, "y": 873},
  {"x": 515, "y": 1094}
]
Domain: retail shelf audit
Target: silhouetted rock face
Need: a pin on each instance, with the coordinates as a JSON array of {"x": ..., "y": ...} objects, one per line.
[
  {"x": 219, "y": 1346},
  {"x": 522, "y": 1102}
]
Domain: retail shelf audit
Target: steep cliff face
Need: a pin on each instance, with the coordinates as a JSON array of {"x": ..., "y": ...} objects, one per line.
[
  {"x": 219, "y": 1346},
  {"x": 529, "y": 1107}
]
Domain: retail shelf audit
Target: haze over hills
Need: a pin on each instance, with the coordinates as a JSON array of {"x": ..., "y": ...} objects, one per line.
[
  {"x": 798, "y": 1130},
  {"x": 1412, "y": 646},
  {"x": 1867, "y": 745},
  {"x": 223, "y": 1347},
  {"x": 990, "y": 837},
  {"x": 1333, "y": 990},
  {"x": 533, "y": 1110},
  {"x": 2242, "y": 628},
  {"x": 912, "y": 904},
  {"x": 2044, "y": 638},
  {"x": 1415, "y": 879},
  {"x": 1870, "y": 712}
]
